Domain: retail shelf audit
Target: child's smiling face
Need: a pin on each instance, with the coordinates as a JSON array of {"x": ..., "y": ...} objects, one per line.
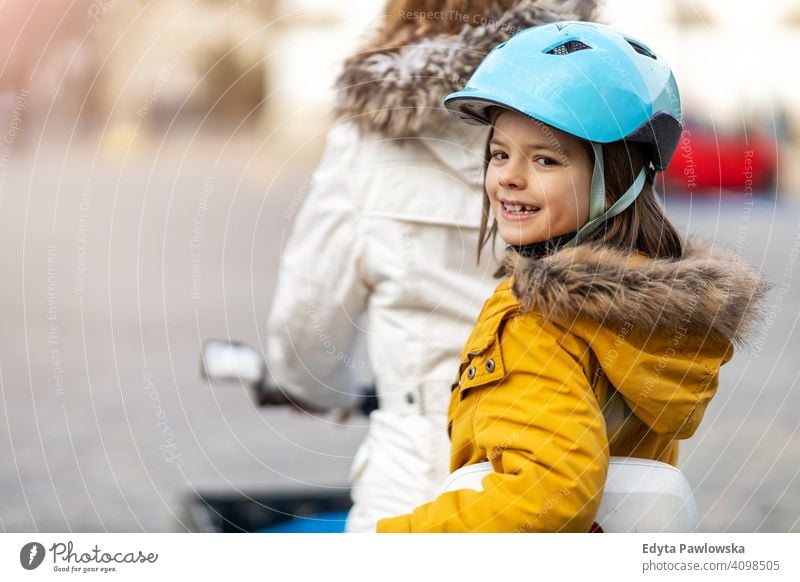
[{"x": 538, "y": 180}]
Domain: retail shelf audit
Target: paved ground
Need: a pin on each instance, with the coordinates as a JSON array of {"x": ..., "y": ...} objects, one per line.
[{"x": 115, "y": 270}]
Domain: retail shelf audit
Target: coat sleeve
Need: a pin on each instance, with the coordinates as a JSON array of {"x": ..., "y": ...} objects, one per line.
[
  {"x": 543, "y": 431},
  {"x": 313, "y": 330}
]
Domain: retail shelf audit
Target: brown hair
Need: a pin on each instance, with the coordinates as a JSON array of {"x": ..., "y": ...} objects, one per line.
[
  {"x": 643, "y": 226},
  {"x": 408, "y": 20}
]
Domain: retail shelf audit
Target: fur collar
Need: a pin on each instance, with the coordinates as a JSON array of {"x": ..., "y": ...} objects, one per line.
[
  {"x": 709, "y": 289},
  {"x": 399, "y": 92}
]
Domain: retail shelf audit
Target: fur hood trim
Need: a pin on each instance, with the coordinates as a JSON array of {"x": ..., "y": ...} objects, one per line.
[
  {"x": 399, "y": 92},
  {"x": 708, "y": 290}
]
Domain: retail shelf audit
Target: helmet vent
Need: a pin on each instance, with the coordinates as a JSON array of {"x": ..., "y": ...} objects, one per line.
[
  {"x": 641, "y": 49},
  {"x": 568, "y": 47}
]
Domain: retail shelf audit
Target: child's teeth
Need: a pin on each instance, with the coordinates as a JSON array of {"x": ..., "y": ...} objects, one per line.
[{"x": 516, "y": 208}]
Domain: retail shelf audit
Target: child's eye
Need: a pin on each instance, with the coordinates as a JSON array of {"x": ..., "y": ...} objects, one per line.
[
  {"x": 545, "y": 161},
  {"x": 499, "y": 155}
]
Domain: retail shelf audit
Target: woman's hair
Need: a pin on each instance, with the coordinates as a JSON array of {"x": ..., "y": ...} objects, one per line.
[
  {"x": 643, "y": 226},
  {"x": 408, "y": 20}
]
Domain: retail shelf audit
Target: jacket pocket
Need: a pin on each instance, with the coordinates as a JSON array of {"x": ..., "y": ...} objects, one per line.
[{"x": 482, "y": 366}]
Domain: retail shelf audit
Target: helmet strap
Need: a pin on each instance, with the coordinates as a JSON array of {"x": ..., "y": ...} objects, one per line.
[
  {"x": 597, "y": 197},
  {"x": 624, "y": 202}
]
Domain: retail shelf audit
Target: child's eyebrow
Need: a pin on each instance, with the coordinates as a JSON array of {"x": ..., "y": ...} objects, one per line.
[{"x": 533, "y": 146}]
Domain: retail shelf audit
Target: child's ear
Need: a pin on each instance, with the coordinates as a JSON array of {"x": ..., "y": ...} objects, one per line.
[{"x": 650, "y": 173}]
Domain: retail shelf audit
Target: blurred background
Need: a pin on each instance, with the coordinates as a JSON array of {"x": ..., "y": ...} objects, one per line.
[{"x": 153, "y": 156}]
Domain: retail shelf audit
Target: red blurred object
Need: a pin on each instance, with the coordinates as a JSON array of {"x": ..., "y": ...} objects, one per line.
[{"x": 708, "y": 161}]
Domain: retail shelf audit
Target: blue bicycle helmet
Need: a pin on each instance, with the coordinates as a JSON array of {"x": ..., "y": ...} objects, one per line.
[{"x": 587, "y": 80}]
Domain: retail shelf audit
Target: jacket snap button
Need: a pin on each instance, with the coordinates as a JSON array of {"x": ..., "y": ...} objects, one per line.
[
  {"x": 409, "y": 398},
  {"x": 471, "y": 372},
  {"x": 490, "y": 366}
]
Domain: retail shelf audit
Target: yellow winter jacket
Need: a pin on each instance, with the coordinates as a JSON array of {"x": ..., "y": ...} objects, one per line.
[{"x": 576, "y": 357}]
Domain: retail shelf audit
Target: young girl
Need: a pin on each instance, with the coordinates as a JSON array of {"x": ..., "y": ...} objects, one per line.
[{"x": 608, "y": 335}]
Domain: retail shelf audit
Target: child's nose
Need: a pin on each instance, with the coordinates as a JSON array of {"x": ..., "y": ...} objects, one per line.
[{"x": 512, "y": 176}]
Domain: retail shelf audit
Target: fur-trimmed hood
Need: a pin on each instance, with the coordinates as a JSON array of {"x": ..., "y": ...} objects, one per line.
[
  {"x": 660, "y": 329},
  {"x": 709, "y": 290},
  {"x": 399, "y": 93}
]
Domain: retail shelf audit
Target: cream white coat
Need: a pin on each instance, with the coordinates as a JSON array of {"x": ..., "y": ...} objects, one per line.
[{"x": 382, "y": 253}]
